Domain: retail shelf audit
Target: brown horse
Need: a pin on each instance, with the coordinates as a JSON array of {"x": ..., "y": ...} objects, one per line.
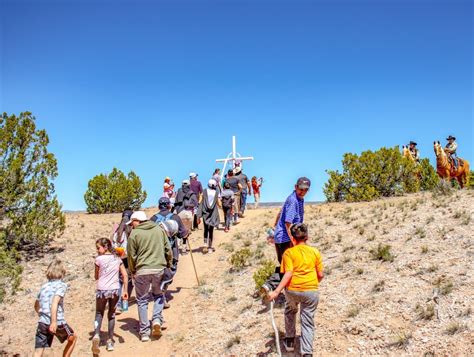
[{"x": 445, "y": 167}]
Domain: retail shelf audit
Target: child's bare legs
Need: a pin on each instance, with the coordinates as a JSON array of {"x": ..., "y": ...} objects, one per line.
[
  {"x": 39, "y": 352},
  {"x": 71, "y": 342}
]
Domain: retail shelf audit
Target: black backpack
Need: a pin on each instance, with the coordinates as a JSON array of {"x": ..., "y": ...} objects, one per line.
[{"x": 227, "y": 201}]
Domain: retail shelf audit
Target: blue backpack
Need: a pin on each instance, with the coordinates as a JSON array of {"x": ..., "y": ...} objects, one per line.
[{"x": 161, "y": 218}]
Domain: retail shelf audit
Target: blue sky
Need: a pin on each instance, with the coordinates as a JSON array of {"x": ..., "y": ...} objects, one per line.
[{"x": 160, "y": 87}]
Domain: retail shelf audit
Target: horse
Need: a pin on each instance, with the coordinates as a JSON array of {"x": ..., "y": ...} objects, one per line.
[
  {"x": 407, "y": 153},
  {"x": 445, "y": 168}
]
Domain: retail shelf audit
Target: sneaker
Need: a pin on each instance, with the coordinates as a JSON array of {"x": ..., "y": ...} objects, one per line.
[
  {"x": 110, "y": 345},
  {"x": 95, "y": 344},
  {"x": 156, "y": 331},
  {"x": 210, "y": 250},
  {"x": 145, "y": 338},
  {"x": 289, "y": 344}
]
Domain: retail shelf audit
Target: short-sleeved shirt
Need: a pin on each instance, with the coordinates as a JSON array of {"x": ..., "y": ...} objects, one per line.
[
  {"x": 196, "y": 187},
  {"x": 233, "y": 183},
  {"x": 45, "y": 298},
  {"x": 292, "y": 212},
  {"x": 303, "y": 260},
  {"x": 243, "y": 180},
  {"x": 109, "y": 268}
]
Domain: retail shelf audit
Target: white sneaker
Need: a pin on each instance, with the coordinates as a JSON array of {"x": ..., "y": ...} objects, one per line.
[
  {"x": 145, "y": 338},
  {"x": 110, "y": 345},
  {"x": 156, "y": 330},
  {"x": 95, "y": 344}
]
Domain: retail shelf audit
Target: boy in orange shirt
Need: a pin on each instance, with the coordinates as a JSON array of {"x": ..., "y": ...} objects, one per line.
[{"x": 302, "y": 266}]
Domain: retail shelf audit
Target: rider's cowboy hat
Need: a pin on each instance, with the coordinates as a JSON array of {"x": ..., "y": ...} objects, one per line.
[
  {"x": 413, "y": 143},
  {"x": 450, "y": 138}
]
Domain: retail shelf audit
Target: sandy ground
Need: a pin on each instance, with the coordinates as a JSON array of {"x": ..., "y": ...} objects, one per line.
[{"x": 420, "y": 303}]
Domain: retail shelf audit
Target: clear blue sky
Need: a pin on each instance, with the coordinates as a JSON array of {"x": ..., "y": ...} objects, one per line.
[{"x": 159, "y": 87}]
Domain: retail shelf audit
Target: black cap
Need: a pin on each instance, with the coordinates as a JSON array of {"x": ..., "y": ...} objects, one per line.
[
  {"x": 413, "y": 143},
  {"x": 450, "y": 138},
  {"x": 303, "y": 182},
  {"x": 164, "y": 202}
]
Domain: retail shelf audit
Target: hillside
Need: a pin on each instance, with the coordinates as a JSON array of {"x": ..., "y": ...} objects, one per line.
[{"x": 416, "y": 300}]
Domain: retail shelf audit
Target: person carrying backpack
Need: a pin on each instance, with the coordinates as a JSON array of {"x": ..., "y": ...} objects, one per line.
[
  {"x": 227, "y": 199},
  {"x": 174, "y": 231},
  {"x": 185, "y": 204}
]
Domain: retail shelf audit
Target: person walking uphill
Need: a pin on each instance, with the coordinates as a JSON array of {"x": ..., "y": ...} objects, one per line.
[
  {"x": 149, "y": 253},
  {"x": 303, "y": 271},
  {"x": 291, "y": 212},
  {"x": 209, "y": 212},
  {"x": 196, "y": 187}
]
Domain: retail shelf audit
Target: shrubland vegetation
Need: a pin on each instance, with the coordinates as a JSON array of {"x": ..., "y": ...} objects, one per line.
[
  {"x": 114, "y": 192},
  {"x": 375, "y": 174},
  {"x": 30, "y": 214}
]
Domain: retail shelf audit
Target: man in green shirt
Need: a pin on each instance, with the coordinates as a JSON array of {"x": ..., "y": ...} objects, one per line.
[{"x": 149, "y": 253}]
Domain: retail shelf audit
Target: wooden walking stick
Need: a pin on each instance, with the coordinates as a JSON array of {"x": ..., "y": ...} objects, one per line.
[{"x": 192, "y": 259}]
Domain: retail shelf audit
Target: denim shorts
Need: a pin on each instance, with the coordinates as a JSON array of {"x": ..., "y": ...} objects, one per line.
[{"x": 44, "y": 337}]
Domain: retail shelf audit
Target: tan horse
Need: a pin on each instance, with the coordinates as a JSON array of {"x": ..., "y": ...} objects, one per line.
[
  {"x": 407, "y": 153},
  {"x": 446, "y": 169}
]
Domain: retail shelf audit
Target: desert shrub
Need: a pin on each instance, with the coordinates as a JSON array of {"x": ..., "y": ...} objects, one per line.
[
  {"x": 382, "y": 252},
  {"x": 371, "y": 175},
  {"x": 240, "y": 259},
  {"x": 30, "y": 214},
  {"x": 443, "y": 188},
  {"x": 429, "y": 177},
  {"x": 114, "y": 192},
  {"x": 470, "y": 183},
  {"x": 425, "y": 313},
  {"x": 455, "y": 327},
  {"x": 267, "y": 268}
]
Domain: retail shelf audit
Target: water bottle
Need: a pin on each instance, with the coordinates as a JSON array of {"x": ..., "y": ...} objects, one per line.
[
  {"x": 124, "y": 305},
  {"x": 270, "y": 233}
]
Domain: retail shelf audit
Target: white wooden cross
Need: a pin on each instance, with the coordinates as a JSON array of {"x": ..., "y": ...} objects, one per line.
[{"x": 233, "y": 156}]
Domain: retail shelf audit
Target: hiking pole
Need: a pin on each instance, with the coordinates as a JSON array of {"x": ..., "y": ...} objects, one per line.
[
  {"x": 277, "y": 335},
  {"x": 192, "y": 259}
]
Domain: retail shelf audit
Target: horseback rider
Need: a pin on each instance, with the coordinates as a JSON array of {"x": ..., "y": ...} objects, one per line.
[
  {"x": 450, "y": 149},
  {"x": 415, "y": 153}
]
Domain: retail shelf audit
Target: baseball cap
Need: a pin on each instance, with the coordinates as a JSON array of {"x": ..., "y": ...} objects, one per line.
[
  {"x": 237, "y": 169},
  {"x": 303, "y": 182},
  {"x": 212, "y": 183},
  {"x": 137, "y": 216},
  {"x": 193, "y": 174},
  {"x": 163, "y": 202},
  {"x": 186, "y": 182}
]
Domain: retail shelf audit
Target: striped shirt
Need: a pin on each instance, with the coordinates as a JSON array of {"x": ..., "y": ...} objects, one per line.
[{"x": 292, "y": 212}]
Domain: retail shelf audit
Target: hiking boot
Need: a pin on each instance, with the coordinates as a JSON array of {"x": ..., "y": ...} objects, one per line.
[
  {"x": 110, "y": 345},
  {"x": 289, "y": 343},
  {"x": 95, "y": 344},
  {"x": 156, "y": 329}
]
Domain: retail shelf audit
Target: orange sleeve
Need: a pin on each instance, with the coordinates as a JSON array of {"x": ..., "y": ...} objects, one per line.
[{"x": 286, "y": 263}]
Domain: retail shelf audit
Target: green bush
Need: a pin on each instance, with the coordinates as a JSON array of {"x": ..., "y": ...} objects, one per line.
[
  {"x": 266, "y": 269},
  {"x": 382, "y": 252},
  {"x": 375, "y": 174},
  {"x": 30, "y": 214},
  {"x": 114, "y": 192},
  {"x": 429, "y": 177},
  {"x": 240, "y": 259}
]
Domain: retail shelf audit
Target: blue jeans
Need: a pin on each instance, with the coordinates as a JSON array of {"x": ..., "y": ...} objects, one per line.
[
  {"x": 243, "y": 201},
  {"x": 142, "y": 290}
]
